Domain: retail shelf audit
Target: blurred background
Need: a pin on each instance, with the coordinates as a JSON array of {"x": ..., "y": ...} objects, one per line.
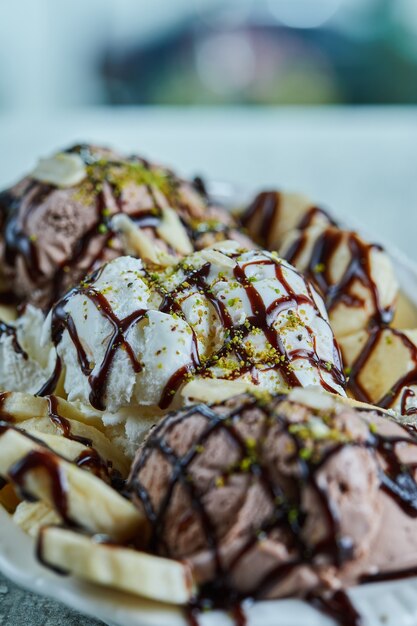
[
  {"x": 306, "y": 95},
  {"x": 204, "y": 52}
]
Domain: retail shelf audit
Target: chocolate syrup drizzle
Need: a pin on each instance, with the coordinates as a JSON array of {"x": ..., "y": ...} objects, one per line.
[
  {"x": 63, "y": 423},
  {"x": 265, "y": 209},
  {"x": 61, "y": 320},
  {"x": 89, "y": 458},
  {"x": 46, "y": 459},
  {"x": 396, "y": 479},
  {"x": 357, "y": 270},
  {"x": 408, "y": 379},
  {"x": 11, "y": 331}
]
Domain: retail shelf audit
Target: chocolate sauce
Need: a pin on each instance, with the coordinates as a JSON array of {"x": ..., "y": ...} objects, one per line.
[
  {"x": 264, "y": 208},
  {"x": 408, "y": 379},
  {"x": 358, "y": 269},
  {"x": 200, "y": 186},
  {"x": 10, "y": 331},
  {"x": 396, "y": 479},
  {"x": 61, "y": 321},
  {"x": 51, "y": 384},
  {"x": 89, "y": 458},
  {"x": 337, "y": 606},
  {"x": 63, "y": 424},
  {"x": 120, "y": 328},
  {"x": 263, "y": 213},
  {"x": 40, "y": 552},
  {"x": 45, "y": 460},
  {"x": 4, "y": 415},
  {"x": 8, "y": 298},
  {"x": 386, "y": 576},
  {"x": 16, "y": 242}
]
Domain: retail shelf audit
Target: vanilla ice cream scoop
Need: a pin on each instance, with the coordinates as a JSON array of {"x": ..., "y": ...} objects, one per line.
[
  {"x": 133, "y": 335},
  {"x": 356, "y": 278}
]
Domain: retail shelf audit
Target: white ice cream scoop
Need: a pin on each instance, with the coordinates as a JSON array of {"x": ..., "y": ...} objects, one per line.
[{"x": 133, "y": 335}]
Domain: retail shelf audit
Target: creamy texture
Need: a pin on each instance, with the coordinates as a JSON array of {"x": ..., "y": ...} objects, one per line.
[
  {"x": 24, "y": 363},
  {"x": 56, "y": 224},
  {"x": 272, "y": 497},
  {"x": 133, "y": 335}
]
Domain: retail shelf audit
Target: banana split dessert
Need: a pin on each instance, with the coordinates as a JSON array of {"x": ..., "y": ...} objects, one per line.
[{"x": 201, "y": 407}]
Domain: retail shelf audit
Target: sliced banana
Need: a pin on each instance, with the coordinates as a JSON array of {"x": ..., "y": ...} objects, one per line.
[
  {"x": 383, "y": 367},
  {"x": 122, "y": 568},
  {"x": 320, "y": 400},
  {"x": 32, "y": 414},
  {"x": 32, "y": 516},
  {"x": 214, "y": 390},
  {"x": 18, "y": 406},
  {"x": 75, "y": 494},
  {"x": 51, "y": 433}
]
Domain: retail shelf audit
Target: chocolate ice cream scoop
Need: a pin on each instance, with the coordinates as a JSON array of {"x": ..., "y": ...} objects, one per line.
[
  {"x": 285, "y": 496},
  {"x": 56, "y": 225}
]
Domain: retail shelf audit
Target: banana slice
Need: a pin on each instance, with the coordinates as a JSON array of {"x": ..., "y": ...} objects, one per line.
[
  {"x": 317, "y": 398},
  {"x": 76, "y": 495},
  {"x": 83, "y": 435},
  {"x": 69, "y": 450},
  {"x": 145, "y": 575},
  {"x": 273, "y": 214},
  {"x": 32, "y": 516},
  {"x": 54, "y": 415},
  {"x": 17, "y": 406},
  {"x": 214, "y": 390},
  {"x": 383, "y": 367}
]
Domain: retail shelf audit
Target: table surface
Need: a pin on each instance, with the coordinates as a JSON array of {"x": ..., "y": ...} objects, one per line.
[{"x": 361, "y": 162}]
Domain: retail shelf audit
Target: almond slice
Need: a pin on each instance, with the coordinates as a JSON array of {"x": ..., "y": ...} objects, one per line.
[
  {"x": 172, "y": 230},
  {"x": 62, "y": 169},
  {"x": 136, "y": 242}
]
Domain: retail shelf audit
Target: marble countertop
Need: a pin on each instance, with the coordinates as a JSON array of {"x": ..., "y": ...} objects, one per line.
[{"x": 360, "y": 162}]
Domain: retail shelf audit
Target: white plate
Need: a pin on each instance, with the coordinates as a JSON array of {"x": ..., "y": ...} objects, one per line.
[{"x": 380, "y": 604}]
